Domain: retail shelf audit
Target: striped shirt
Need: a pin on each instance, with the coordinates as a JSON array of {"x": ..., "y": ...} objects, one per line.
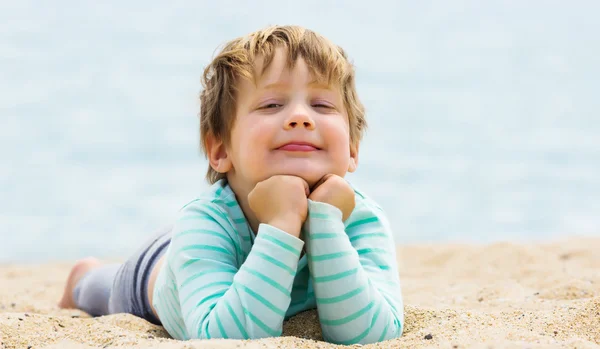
[{"x": 220, "y": 280}]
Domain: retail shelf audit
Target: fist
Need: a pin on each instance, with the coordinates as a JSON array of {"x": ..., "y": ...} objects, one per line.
[
  {"x": 281, "y": 201},
  {"x": 334, "y": 190}
]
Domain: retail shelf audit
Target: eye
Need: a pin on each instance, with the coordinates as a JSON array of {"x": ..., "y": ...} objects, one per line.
[
  {"x": 323, "y": 105},
  {"x": 271, "y": 106}
]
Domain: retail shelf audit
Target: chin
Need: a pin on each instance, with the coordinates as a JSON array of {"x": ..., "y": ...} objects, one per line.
[{"x": 310, "y": 176}]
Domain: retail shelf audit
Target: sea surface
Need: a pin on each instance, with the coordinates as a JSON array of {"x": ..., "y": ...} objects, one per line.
[{"x": 484, "y": 120}]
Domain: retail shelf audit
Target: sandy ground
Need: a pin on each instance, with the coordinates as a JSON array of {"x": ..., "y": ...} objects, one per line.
[{"x": 501, "y": 295}]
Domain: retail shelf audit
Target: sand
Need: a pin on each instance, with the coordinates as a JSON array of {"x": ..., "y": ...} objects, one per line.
[{"x": 500, "y": 295}]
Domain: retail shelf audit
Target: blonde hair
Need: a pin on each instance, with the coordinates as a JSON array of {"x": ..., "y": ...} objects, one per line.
[{"x": 236, "y": 59}]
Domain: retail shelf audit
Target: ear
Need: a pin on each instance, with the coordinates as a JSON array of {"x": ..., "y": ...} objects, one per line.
[
  {"x": 353, "y": 162},
  {"x": 217, "y": 154}
]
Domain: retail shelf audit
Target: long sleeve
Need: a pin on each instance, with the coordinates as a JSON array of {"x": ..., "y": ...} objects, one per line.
[
  {"x": 354, "y": 273},
  {"x": 219, "y": 296}
]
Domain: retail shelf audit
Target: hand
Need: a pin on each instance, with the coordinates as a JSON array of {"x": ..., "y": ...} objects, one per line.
[
  {"x": 334, "y": 190},
  {"x": 281, "y": 201}
]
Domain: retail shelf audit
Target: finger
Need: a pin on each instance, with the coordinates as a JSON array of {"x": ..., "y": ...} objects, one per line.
[
  {"x": 306, "y": 188},
  {"x": 321, "y": 181}
]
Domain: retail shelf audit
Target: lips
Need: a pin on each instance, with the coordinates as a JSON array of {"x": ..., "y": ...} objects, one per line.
[{"x": 299, "y": 146}]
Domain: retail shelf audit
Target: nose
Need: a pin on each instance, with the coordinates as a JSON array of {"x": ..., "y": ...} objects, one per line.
[{"x": 299, "y": 117}]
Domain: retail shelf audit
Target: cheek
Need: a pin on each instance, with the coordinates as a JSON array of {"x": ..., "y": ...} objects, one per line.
[
  {"x": 256, "y": 138},
  {"x": 250, "y": 142},
  {"x": 338, "y": 136}
]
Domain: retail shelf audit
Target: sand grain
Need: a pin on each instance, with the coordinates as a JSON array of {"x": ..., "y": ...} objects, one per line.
[{"x": 457, "y": 296}]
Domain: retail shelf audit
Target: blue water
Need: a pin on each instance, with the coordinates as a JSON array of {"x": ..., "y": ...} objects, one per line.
[{"x": 484, "y": 116}]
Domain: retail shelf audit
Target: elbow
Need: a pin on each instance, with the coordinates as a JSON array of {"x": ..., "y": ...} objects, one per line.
[
  {"x": 394, "y": 330},
  {"x": 372, "y": 334},
  {"x": 231, "y": 332},
  {"x": 237, "y": 336}
]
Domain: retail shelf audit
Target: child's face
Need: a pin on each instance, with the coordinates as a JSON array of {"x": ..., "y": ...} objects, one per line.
[{"x": 286, "y": 124}]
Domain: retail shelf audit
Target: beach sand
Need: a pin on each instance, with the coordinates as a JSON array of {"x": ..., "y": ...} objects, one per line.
[{"x": 501, "y": 295}]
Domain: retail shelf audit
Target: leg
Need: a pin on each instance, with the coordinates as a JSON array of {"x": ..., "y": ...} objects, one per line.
[
  {"x": 116, "y": 288},
  {"x": 89, "y": 286}
]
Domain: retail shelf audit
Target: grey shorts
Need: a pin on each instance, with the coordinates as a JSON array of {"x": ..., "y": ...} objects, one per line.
[
  {"x": 123, "y": 288},
  {"x": 130, "y": 288}
]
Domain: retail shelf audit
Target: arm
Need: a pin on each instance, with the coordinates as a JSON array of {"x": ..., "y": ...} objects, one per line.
[
  {"x": 355, "y": 274},
  {"x": 217, "y": 299}
]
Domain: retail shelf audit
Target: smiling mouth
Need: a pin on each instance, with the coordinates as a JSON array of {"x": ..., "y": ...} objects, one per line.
[{"x": 298, "y": 146}]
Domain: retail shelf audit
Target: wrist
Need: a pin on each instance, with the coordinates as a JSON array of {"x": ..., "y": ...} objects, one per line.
[
  {"x": 322, "y": 209},
  {"x": 290, "y": 225}
]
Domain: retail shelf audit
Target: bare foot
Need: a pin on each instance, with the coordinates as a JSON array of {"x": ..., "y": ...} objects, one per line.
[{"x": 79, "y": 269}]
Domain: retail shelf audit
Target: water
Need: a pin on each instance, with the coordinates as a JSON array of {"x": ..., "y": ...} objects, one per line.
[{"x": 484, "y": 122}]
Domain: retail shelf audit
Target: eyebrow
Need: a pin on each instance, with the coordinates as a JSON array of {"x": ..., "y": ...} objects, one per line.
[
  {"x": 312, "y": 84},
  {"x": 274, "y": 86},
  {"x": 319, "y": 84}
]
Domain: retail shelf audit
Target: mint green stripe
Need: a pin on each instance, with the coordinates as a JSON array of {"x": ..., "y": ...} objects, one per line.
[
  {"x": 343, "y": 297},
  {"x": 177, "y": 327},
  {"x": 189, "y": 203},
  {"x": 192, "y": 261},
  {"x": 207, "y": 331},
  {"x": 239, "y": 220},
  {"x": 370, "y": 264},
  {"x": 385, "y": 329},
  {"x": 171, "y": 309},
  {"x": 318, "y": 236},
  {"x": 367, "y": 235},
  {"x": 367, "y": 331},
  {"x": 215, "y": 211},
  {"x": 205, "y": 272},
  {"x": 271, "y": 332},
  {"x": 206, "y": 248},
  {"x": 276, "y": 262},
  {"x": 224, "y": 236},
  {"x": 261, "y": 299},
  {"x": 218, "y": 192},
  {"x": 370, "y": 250},
  {"x": 348, "y": 318},
  {"x": 169, "y": 320},
  {"x": 218, "y": 202},
  {"x": 214, "y": 233},
  {"x": 280, "y": 243},
  {"x": 204, "y": 300},
  {"x": 246, "y": 238},
  {"x": 198, "y": 290},
  {"x": 335, "y": 276},
  {"x": 195, "y": 216},
  {"x": 376, "y": 316},
  {"x": 361, "y": 222},
  {"x": 318, "y": 215},
  {"x": 375, "y": 319},
  {"x": 231, "y": 203},
  {"x": 220, "y": 325},
  {"x": 329, "y": 256},
  {"x": 267, "y": 279},
  {"x": 357, "y": 338},
  {"x": 237, "y": 321}
]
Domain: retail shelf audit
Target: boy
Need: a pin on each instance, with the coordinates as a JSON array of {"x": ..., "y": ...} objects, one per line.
[{"x": 279, "y": 231}]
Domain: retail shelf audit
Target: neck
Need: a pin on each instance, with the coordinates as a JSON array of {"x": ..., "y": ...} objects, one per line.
[{"x": 241, "y": 194}]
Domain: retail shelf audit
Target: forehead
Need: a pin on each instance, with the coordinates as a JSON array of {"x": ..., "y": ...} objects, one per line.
[{"x": 279, "y": 68}]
